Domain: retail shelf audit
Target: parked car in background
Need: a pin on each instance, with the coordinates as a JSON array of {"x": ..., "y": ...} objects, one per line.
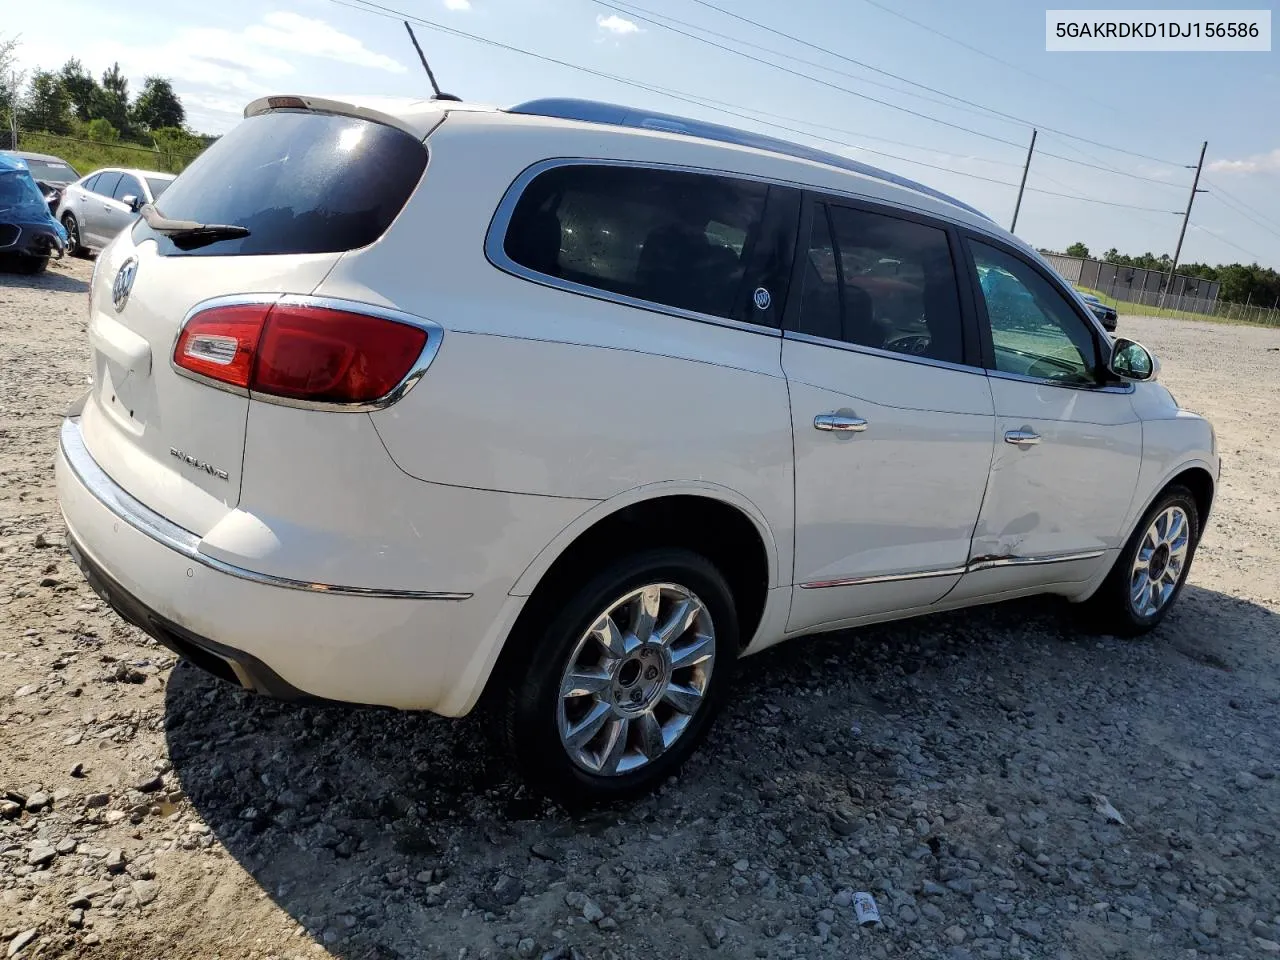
[
  {"x": 584, "y": 410},
  {"x": 29, "y": 235},
  {"x": 51, "y": 174},
  {"x": 1105, "y": 314},
  {"x": 96, "y": 208}
]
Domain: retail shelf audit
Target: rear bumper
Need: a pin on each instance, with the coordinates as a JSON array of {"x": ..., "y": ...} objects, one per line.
[{"x": 282, "y": 637}]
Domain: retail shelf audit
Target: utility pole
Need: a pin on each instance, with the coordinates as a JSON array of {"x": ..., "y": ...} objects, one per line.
[
  {"x": 1023, "y": 186},
  {"x": 1186, "y": 218}
]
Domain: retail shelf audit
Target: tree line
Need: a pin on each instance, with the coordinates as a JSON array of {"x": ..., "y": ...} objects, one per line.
[
  {"x": 72, "y": 102},
  {"x": 1238, "y": 283}
]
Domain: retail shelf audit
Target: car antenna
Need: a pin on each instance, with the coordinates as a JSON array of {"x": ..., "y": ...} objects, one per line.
[{"x": 426, "y": 66}]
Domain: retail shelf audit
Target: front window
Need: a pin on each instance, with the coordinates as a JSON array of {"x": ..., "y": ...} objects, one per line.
[
  {"x": 1034, "y": 330},
  {"x": 158, "y": 186}
]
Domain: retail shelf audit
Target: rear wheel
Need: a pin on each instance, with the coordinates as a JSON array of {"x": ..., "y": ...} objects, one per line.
[
  {"x": 620, "y": 687},
  {"x": 74, "y": 249},
  {"x": 1151, "y": 570}
]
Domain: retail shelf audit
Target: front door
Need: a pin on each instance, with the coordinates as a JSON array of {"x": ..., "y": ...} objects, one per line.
[
  {"x": 96, "y": 206},
  {"x": 1069, "y": 442},
  {"x": 893, "y": 426}
]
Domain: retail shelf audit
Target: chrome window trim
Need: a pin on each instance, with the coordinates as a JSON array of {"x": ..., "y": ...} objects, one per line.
[
  {"x": 435, "y": 334},
  {"x": 495, "y": 240},
  {"x": 185, "y": 543},
  {"x": 1126, "y": 387},
  {"x": 799, "y": 337},
  {"x": 973, "y": 566}
]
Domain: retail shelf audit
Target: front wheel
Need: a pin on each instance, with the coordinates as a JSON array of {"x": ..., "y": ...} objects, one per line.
[
  {"x": 1152, "y": 568},
  {"x": 620, "y": 687},
  {"x": 74, "y": 248}
]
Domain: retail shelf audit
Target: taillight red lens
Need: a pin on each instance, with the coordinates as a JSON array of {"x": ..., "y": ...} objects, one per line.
[
  {"x": 301, "y": 352},
  {"x": 220, "y": 343},
  {"x": 311, "y": 353}
]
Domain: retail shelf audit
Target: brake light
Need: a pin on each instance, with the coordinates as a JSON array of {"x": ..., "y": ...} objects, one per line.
[{"x": 299, "y": 351}]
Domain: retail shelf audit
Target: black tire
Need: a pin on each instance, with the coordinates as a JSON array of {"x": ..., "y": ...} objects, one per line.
[
  {"x": 29, "y": 266},
  {"x": 69, "y": 223},
  {"x": 1112, "y": 609},
  {"x": 533, "y": 683}
]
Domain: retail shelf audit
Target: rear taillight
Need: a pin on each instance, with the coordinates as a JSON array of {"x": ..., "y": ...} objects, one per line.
[{"x": 300, "y": 352}]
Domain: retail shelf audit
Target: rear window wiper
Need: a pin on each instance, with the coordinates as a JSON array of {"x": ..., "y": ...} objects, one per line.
[{"x": 188, "y": 234}]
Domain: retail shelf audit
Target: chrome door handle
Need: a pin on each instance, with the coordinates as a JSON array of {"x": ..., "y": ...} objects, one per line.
[
  {"x": 1022, "y": 437},
  {"x": 839, "y": 422}
]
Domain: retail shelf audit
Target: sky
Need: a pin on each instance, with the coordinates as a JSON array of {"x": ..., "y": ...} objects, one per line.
[{"x": 1126, "y": 128}]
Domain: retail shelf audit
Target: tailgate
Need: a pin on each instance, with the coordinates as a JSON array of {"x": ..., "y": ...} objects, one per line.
[{"x": 172, "y": 442}]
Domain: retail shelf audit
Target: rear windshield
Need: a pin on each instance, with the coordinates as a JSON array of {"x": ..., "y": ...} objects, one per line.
[
  {"x": 299, "y": 182},
  {"x": 51, "y": 171}
]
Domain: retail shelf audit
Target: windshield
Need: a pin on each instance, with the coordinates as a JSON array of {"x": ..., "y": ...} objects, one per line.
[
  {"x": 299, "y": 182},
  {"x": 157, "y": 186},
  {"x": 52, "y": 171},
  {"x": 20, "y": 198}
]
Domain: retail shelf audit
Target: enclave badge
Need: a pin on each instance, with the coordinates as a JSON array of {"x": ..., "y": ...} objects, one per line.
[
  {"x": 123, "y": 283},
  {"x": 199, "y": 464}
]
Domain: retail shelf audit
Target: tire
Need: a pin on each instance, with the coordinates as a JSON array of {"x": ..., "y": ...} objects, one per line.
[
  {"x": 625, "y": 688},
  {"x": 22, "y": 264},
  {"x": 74, "y": 249},
  {"x": 1114, "y": 608}
]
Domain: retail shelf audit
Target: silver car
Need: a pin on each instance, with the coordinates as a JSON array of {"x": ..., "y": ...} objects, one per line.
[{"x": 97, "y": 207}]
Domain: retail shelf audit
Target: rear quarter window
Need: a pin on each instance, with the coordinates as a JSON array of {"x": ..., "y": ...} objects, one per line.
[{"x": 300, "y": 182}]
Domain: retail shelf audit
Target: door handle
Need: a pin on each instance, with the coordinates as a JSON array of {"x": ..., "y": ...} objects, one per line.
[
  {"x": 839, "y": 422},
  {"x": 1022, "y": 437}
]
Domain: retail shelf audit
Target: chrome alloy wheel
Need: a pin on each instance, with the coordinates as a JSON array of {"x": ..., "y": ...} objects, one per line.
[
  {"x": 635, "y": 679},
  {"x": 1159, "y": 562}
]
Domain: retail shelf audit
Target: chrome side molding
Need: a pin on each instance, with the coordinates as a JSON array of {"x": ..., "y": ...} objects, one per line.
[{"x": 974, "y": 565}]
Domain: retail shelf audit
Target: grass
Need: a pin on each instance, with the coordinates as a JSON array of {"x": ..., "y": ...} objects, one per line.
[
  {"x": 87, "y": 156},
  {"x": 1233, "y": 313}
]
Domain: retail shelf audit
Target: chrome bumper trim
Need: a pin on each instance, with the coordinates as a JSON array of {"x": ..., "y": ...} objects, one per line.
[
  {"x": 168, "y": 534},
  {"x": 974, "y": 565}
]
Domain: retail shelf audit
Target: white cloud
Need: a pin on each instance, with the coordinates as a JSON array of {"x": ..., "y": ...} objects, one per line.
[
  {"x": 616, "y": 25},
  {"x": 458, "y": 4},
  {"x": 298, "y": 34},
  {"x": 1258, "y": 163}
]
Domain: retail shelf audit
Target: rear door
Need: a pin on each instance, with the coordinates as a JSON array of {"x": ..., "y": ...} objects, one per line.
[
  {"x": 891, "y": 414},
  {"x": 308, "y": 187}
]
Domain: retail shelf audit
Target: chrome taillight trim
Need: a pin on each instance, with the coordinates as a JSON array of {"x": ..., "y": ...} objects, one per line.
[{"x": 435, "y": 334}]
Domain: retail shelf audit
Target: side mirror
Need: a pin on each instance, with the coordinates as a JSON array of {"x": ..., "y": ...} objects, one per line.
[
  {"x": 1130, "y": 360},
  {"x": 132, "y": 202}
]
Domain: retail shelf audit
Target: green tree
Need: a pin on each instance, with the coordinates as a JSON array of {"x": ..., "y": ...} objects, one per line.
[
  {"x": 10, "y": 86},
  {"x": 115, "y": 98},
  {"x": 1078, "y": 249},
  {"x": 45, "y": 106},
  {"x": 83, "y": 92},
  {"x": 158, "y": 106},
  {"x": 101, "y": 129},
  {"x": 177, "y": 147}
]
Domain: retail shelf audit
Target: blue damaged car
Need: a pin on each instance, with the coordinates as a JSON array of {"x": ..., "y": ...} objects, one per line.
[{"x": 29, "y": 235}]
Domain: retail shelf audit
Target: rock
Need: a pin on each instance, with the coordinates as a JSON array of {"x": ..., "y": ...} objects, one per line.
[
  {"x": 154, "y": 783},
  {"x": 714, "y": 933},
  {"x": 145, "y": 891},
  {"x": 37, "y": 801},
  {"x": 843, "y": 822},
  {"x": 75, "y": 919},
  {"x": 26, "y": 690},
  {"x": 607, "y": 923},
  {"x": 1029, "y": 928},
  {"x": 115, "y": 861},
  {"x": 41, "y": 856},
  {"x": 9, "y": 810},
  {"x": 931, "y": 913},
  {"x": 1265, "y": 945},
  {"x": 527, "y": 947},
  {"x": 508, "y": 890},
  {"x": 955, "y": 933},
  {"x": 1207, "y": 922},
  {"x": 592, "y": 912},
  {"x": 1246, "y": 780},
  {"x": 96, "y": 799},
  {"x": 546, "y": 851},
  {"x": 19, "y": 943},
  {"x": 66, "y": 846}
]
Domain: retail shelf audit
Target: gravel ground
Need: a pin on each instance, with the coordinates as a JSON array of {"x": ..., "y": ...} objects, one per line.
[{"x": 951, "y": 766}]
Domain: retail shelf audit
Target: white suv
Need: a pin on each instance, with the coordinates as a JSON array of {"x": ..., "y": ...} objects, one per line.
[{"x": 406, "y": 402}]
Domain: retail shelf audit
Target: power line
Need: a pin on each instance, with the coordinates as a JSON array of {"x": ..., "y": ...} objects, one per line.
[
  {"x": 377, "y": 9},
  {"x": 950, "y": 96},
  {"x": 1244, "y": 213},
  {"x": 1221, "y": 194},
  {"x": 1229, "y": 243},
  {"x": 983, "y": 53}
]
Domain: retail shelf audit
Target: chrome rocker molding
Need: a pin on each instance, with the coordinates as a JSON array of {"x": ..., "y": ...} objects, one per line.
[
  {"x": 974, "y": 565},
  {"x": 168, "y": 534}
]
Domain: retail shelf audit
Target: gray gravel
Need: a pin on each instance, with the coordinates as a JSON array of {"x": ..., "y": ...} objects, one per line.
[{"x": 963, "y": 769}]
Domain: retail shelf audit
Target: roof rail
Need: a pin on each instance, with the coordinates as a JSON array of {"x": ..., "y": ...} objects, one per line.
[{"x": 593, "y": 111}]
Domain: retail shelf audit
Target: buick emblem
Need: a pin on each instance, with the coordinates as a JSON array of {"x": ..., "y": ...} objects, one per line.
[
  {"x": 123, "y": 283},
  {"x": 761, "y": 298}
]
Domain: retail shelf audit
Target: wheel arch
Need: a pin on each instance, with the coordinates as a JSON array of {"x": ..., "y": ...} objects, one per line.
[{"x": 1197, "y": 476}]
